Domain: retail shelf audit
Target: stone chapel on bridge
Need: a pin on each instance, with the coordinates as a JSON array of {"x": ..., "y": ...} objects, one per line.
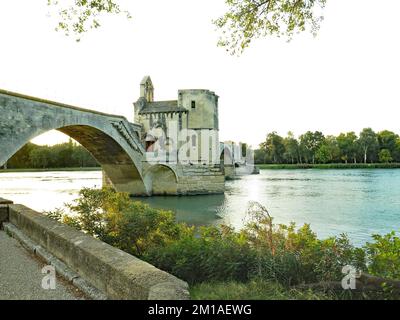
[{"x": 195, "y": 113}]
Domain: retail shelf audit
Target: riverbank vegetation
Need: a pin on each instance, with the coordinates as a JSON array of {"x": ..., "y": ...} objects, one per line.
[
  {"x": 315, "y": 148},
  {"x": 64, "y": 155},
  {"x": 263, "y": 260}
]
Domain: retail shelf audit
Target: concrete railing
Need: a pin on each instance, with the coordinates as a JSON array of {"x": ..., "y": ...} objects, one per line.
[{"x": 116, "y": 274}]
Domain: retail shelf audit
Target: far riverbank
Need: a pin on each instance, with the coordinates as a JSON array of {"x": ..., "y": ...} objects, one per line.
[
  {"x": 260, "y": 166},
  {"x": 331, "y": 166}
]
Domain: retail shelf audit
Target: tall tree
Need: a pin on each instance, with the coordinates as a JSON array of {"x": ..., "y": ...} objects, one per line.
[
  {"x": 368, "y": 143},
  {"x": 260, "y": 155},
  {"x": 323, "y": 154},
  {"x": 40, "y": 157},
  {"x": 246, "y": 20},
  {"x": 385, "y": 156},
  {"x": 387, "y": 140},
  {"x": 396, "y": 153},
  {"x": 291, "y": 147},
  {"x": 347, "y": 143},
  {"x": 328, "y": 151},
  {"x": 274, "y": 147},
  {"x": 311, "y": 141}
]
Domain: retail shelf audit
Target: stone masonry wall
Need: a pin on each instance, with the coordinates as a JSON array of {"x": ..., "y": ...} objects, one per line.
[{"x": 200, "y": 180}]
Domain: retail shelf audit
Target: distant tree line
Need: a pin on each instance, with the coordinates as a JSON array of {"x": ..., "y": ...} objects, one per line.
[
  {"x": 314, "y": 147},
  {"x": 64, "y": 155}
]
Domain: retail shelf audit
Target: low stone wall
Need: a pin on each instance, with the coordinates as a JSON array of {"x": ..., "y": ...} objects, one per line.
[
  {"x": 115, "y": 273},
  {"x": 4, "y": 209},
  {"x": 3, "y": 213}
]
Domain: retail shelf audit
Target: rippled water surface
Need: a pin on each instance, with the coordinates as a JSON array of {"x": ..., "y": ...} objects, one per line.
[{"x": 356, "y": 202}]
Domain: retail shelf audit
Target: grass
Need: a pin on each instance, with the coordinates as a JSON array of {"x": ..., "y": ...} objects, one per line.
[
  {"x": 331, "y": 166},
  {"x": 252, "y": 290},
  {"x": 50, "y": 169}
]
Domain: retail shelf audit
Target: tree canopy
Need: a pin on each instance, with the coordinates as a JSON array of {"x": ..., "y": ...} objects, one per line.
[
  {"x": 314, "y": 147},
  {"x": 64, "y": 155},
  {"x": 246, "y": 20},
  {"x": 243, "y": 21},
  {"x": 78, "y": 16}
]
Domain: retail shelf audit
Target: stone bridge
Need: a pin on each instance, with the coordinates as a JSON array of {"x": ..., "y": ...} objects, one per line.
[{"x": 112, "y": 140}]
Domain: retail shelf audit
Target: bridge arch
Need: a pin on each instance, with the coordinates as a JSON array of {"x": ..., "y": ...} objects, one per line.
[
  {"x": 227, "y": 161},
  {"x": 110, "y": 139},
  {"x": 226, "y": 157},
  {"x": 161, "y": 179}
]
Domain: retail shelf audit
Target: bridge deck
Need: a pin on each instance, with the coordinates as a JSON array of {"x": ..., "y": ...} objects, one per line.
[
  {"x": 21, "y": 277},
  {"x": 57, "y": 104}
]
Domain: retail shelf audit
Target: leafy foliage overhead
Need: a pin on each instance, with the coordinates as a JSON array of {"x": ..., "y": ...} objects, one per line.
[
  {"x": 78, "y": 16},
  {"x": 243, "y": 21},
  {"x": 246, "y": 20}
]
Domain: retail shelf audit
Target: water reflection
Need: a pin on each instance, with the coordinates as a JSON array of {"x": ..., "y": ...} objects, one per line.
[
  {"x": 44, "y": 191},
  {"x": 196, "y": 210}
]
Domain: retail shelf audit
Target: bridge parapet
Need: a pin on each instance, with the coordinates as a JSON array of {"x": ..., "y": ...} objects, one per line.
[{"x": 130, "y": 134}]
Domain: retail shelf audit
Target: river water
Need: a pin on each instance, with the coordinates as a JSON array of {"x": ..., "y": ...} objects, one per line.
[{"x": 357, "y": 202}]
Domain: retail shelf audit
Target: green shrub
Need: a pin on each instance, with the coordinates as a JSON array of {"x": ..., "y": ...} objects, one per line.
[
  {"x": 210, "y": 254},
  {"x": 294, "y": 256},
  {"x": 112, "y": 217},
  {"x": 383, "y": 256}
]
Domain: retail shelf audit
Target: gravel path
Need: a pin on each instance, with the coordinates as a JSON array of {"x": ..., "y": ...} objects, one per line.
[{"x": 21, "y": 275}]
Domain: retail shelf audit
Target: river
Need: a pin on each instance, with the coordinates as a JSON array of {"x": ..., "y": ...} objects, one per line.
[{"x": 356, "y": 202}]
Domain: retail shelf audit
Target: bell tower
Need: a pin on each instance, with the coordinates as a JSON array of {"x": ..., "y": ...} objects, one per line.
[{"x": 147, "y": 89}]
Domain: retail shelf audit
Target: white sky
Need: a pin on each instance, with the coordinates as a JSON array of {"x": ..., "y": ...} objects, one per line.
[{"x": 345, "y": 79}]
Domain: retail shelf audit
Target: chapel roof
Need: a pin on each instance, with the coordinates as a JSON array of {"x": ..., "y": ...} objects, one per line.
[{"x": 162, "y": 107}]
